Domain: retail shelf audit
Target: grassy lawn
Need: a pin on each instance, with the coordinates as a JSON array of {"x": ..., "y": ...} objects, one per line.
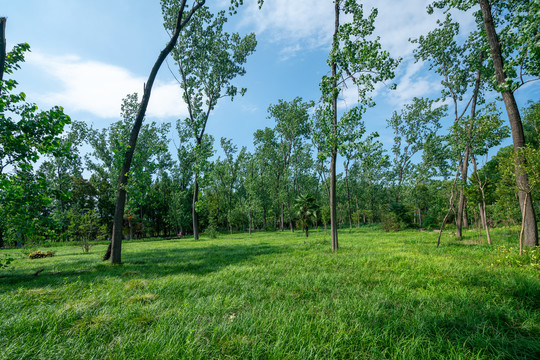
[{"x": 276, "y": 296}]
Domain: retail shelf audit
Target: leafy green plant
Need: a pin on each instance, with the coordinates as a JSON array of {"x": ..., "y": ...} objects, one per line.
[
  {"x": 85, "y": 228},
  {"x": 306, "y": 209}
]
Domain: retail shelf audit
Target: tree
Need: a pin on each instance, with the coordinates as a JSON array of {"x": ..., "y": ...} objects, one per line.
[
  {"x": 26, "y": 134},
  {"x": 460, "y": 66},
  {"x": 208, "y": 59},
  {"x": 358, "y": 58},
  {"x": 108, "y": 148},
  {"x": 227, "y": 173},
  {"x": 291, "y": 128},
  {"x": 413, "y": 126},
  {"x": 306, "y": 209},
  {"x": 515, "y": 61},
  {"x": 115, "y": 247}
]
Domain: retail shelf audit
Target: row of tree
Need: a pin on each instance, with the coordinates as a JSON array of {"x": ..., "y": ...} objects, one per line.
[{"x": 290, "y": 179}]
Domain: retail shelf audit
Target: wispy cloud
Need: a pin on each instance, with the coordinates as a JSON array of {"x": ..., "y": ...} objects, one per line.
[{"x": 98, "y": 88}]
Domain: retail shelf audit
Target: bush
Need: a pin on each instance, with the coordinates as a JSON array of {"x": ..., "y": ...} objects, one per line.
[
  {"x": 211, "y": 231},
  {"x": 390, "y": 222},
  {"x": 85, "y": 228}
]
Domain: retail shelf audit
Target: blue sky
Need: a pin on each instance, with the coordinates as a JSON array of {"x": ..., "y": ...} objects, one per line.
[{"x": 87, "y": 55}]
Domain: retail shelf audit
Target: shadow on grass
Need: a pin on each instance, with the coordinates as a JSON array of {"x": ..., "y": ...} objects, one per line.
[{"x": 198, "y": 260}]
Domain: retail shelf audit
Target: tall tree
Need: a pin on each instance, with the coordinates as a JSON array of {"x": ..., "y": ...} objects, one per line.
[
  {"x": 358, "y": 58},
  {"x": 208, "y": 59},
  {"x": 412, "y": 127},
  {"x": 515, "y": 61},
  {"x": 114, "y": 252},
  {"x": 291, "y": 128},
  {"x": 26, "y": 134},
  {"x": 460, "y": 66}
]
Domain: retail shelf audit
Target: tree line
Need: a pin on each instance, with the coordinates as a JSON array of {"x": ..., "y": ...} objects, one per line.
[{"x": 290, "y": 179}]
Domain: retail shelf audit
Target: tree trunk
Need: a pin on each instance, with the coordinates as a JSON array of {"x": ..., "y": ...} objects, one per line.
[
  {"x": 116, "y": 241},
  {"x": 461, "y": 202},
  {"x": 194, "y": 213},
  {"x": 348, "y": 194},
  {"x": 281, "y": 222},
  {"x": 250, "y": 222},
  {"x": 2, "y": 50},
  {"x": 465, "y": 215},
  {"x": 2, "y": 65},
  {"x": 333, "y": 197},
  {"x": 530, "y": 228}
]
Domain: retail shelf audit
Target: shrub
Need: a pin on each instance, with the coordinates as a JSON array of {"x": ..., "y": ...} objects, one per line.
[
  {"x": 85, "y": 228},
  {"x": 390, "y": 222},
  {"x": 211, "y": 231}
]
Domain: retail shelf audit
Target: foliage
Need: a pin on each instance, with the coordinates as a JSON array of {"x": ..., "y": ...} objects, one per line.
[
  {"x": 306, "y": 210},
  {"x": 85, "y": 227},
  {"x": 25, "y": 132}
]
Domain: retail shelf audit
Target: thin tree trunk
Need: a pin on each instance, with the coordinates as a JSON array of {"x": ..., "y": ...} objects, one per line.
[
  {"x": 348, "y": 194},
  {"x": 530, "y": 227},
  {"x": 116, "y": 241},
  {"x": 450, "y": 209},
  {"x": 522, "y": 227},
  {"x": 2, "y": 65},
  {"x": 465, "y": 215},
  {"x": 194, "y": 213},
  {"x": 482, "y": 206},
  {"x": 281, "y": 222},
  {"x": 250, "y": 222},
  {"x": 333, "y": 195},
  {"x": 3, "y": 21}
]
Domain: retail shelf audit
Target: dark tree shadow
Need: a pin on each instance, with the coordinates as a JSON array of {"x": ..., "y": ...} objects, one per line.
[{"x": 198, "y": 260}]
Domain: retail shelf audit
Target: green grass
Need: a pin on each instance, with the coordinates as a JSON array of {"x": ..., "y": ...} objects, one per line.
[{"x": 276, "y": 296}]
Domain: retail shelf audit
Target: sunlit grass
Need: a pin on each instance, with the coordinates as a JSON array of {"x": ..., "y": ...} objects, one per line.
[{"x": 277, "y": 295}]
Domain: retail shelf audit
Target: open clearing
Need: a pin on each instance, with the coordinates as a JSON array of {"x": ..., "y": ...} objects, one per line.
[{"x": 276, "y": 296}]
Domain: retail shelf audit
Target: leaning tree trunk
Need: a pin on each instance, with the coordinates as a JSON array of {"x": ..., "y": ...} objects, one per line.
[
  {"x": 530, "y": 228},
  {"x": 116, "y": 241},
  {"x": 461, "y": 217},
  {"x": 333, "y": 195}
]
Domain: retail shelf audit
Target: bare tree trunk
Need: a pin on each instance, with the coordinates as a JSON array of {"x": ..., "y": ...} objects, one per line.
[
  {"x": 281, "y": 222},
  {"x": 250, "y": 222},
  {"x": 530, "y": 227},
  {"x": 465, "y": 215},
  {"x": 2, "y": 65},
  {"x": 482, "y": 206},
  {"x": 348, "y": 194},
  {"x": 461, "y": 202},
  {"x": 481, "y": 212},
  {"x": 333, "y": 195},
  {"x": 3, "y": 21},
  {"x": 116, "y": 241},
  {"x": 450, "y": 209},
  {"x": 194, "y": 213}
]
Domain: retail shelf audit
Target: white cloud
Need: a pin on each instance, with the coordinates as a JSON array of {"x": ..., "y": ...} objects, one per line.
[
  {"x": 309, "y": 24},
  {"x": 299, "y": 24},
  {"x": 98, "y": 88},
  {"x": 412, "y": 82}
]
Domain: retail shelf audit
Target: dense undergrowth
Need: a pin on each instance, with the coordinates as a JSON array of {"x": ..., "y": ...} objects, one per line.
[{"x": 276, "y": 296}]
